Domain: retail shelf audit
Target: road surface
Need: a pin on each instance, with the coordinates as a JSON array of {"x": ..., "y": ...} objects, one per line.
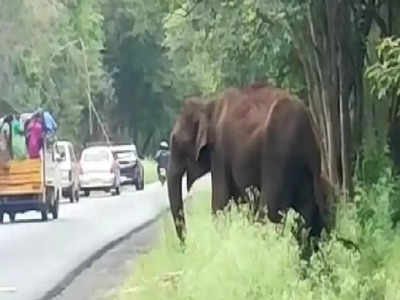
[
  {"x": 104, "y": 278},
  {"x": 96, "y": 283},
  {"x": 37, "y": 258}
]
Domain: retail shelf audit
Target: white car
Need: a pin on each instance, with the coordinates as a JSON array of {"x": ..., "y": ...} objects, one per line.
[
  {"x": 68, "y": 166},
  {"x": 99, "y": 170}
]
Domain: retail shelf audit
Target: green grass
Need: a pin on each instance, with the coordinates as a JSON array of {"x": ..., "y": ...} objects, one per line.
[
  {"x": 233, "y": 259},
  {"x": 150, "y": 171}
]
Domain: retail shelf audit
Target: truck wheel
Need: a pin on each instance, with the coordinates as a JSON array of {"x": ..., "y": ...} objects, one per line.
[
  {"x": 52, "y": 202},
  {"x": 12, "y": 217},
  {"x": 43, "y": 212},
  {"x": 1, "y": 217},
  {"x": 87, "y": 193},
  {"x": 54, "y": 208},
  {"x": 44, "y": 215}
]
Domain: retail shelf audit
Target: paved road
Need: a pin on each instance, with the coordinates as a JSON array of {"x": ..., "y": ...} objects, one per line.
[
  {"x": 96, "y": 283},
  {"x": 104, "y": 278},
  {"x": 36, "y": 256}
]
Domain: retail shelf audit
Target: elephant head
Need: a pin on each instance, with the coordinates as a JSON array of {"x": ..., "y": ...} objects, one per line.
[{"x": 190, "y": 155}]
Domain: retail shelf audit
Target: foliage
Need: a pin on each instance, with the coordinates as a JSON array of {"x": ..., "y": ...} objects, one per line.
[
  {"x": 298, "y": 45},
  {"x": 63, "y": 54},
  {"x": 374, "y": 163},
  {"x": 235, "y": 259},
  {"x": 52, "y": 57},
  {"x": 140, "y": 69},
  {"x": 385, "y": 73},
  {"x": 213, "y": 45},
  {"x": 150, "y": 171}
]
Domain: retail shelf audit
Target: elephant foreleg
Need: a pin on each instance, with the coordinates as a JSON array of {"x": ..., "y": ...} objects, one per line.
[{"x": 220, "y": 189}]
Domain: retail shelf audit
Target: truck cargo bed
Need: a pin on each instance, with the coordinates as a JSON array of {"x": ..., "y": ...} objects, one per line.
[{"x": 22, "y": 177}]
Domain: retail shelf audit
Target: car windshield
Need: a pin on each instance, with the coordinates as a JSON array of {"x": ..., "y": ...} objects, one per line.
[
  {"x": 98, "y": 155},
  {"x": 61, "y": 151},
  {"x": 126, "y": 155}
]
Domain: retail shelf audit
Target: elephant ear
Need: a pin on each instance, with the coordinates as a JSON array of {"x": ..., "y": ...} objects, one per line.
[{"x": 201, "y": 136}]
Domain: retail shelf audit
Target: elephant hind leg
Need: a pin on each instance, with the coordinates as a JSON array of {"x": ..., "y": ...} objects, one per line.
[
  {"x": 275, "y": 196},
  {"x": 252, "y": 197},
  {"x": 305, "y": 203}
]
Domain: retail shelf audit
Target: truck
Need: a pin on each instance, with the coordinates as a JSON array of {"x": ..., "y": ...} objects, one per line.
[{"x": 31, "y": 184}]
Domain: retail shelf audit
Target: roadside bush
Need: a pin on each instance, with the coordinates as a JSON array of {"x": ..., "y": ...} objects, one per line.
[
  {"x": 339, "y": 273},
  {"x": 150, "y": 171},
  {"x": 232, "y": 258}
]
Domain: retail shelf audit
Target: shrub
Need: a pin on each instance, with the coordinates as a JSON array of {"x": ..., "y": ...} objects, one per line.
[
  {"x": 232, "y": 258},
  {"x": 150, "y": 171}
]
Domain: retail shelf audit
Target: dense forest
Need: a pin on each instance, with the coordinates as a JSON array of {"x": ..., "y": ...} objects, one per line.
[{"x": 122, "y": 68}]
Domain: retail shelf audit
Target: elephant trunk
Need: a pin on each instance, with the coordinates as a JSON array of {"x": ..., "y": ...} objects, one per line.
[{"x": 175, "y": 199}]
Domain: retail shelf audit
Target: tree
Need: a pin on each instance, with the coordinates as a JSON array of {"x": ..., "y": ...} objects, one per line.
[
  {"x": 384, "y": 79},
  {"x": 51, "y": 58},
  {"x": 330, "y": 38},
  {"x": 317, "y": 43},
  {"x": 140, "y": 68},
  {"x": 213, "y": 45}
]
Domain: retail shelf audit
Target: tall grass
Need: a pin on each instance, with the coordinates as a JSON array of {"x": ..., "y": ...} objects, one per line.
[
  {"x": 234, "y": 259},
  {"x": 150, "y": 171}
]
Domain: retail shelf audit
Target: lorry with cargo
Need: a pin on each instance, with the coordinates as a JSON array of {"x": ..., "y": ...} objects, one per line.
[{"x": 30, "y": 183}]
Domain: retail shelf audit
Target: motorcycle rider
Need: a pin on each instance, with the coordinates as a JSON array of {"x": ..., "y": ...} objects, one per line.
[{"x": 162, "y": 157}]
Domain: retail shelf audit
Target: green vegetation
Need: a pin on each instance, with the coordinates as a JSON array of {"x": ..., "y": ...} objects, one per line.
[
  {"x": 139, "y": 59},
  {"x": 63, "y": 55},
  {"x": 236, "y": 259},
  {"x": 136, "y": 61},
  {"x": 150, "y": 171}
]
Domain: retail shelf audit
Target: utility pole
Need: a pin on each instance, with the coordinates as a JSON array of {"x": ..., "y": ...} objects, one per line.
[{"x": 88, "y": 90}]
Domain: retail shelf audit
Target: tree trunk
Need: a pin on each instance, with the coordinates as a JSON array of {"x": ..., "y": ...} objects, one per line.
[
  {"x": 147, "y": 141},
  {"x": 345, "y": 140},
  {"x": 332, "y": 56}
]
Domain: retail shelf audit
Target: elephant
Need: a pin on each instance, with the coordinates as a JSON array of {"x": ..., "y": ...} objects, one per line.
[{"x": 256, "y": 136}]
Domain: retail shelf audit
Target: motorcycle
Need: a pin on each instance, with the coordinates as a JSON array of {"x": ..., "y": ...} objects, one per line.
[{"x": 162, "y": 175}]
